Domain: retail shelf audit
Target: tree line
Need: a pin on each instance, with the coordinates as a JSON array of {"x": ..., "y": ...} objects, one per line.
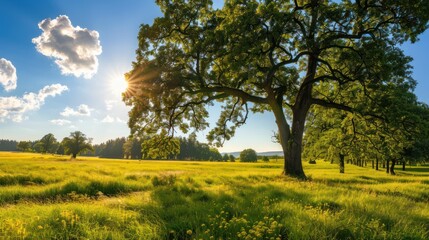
[
  {"x": 8, "y": 145},
  {"x": 74, "y": 144},
  {"x": 181, "y": 148},
  {"x": 184, "y": 148}
]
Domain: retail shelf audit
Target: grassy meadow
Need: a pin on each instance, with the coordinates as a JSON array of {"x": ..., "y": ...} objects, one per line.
[{"x": 51, "y": 197}]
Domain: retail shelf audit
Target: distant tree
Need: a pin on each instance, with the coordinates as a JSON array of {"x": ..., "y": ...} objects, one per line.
[
  {"x": 136, "y": 148},
  {"x": 76, "y": 143},
  {"x": 265, "y": 159},
  {"x": 191, "y": 149},
  {"x": 60, "y": 149},
  {"x": 231, "y": 158},
  {"x": 48, "y": 144},
  {"x": 225, "y": 157},
  {"x": 248, "y": 155},
  {"x": 127, "y": 148},
  {"x": 24, "y": 146},
  {"x": 8, "y": 145},
  {"x": 215, "y": 155},
  {"x": 113, "y": 148}
]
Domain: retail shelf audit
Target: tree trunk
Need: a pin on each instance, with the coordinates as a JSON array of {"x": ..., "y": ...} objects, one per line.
[
  {"x": 372, "y": 163},
  {"x": 294, "y": 165},
  {"x": 387, "y": 166},
  {"x": 392, "y": 168},
  {"x": 341, "y": 163},
  {"x": 403, "y": 165},
  {"x": 74, "y": 155},
  {"x": 376, "y": 163},
  {"x": 291, "y": 152}
]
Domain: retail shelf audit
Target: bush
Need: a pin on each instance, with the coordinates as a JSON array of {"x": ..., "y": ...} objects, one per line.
[
  {"x": 248, "y": 155},
  {"x": 312, "y": 161},
  {"x": 265, "y": 159}
]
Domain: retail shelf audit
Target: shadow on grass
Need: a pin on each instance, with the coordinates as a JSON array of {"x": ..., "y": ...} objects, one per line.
[
  {"x": 421, "y": 169},
  {"x": 72, "y": 191}
]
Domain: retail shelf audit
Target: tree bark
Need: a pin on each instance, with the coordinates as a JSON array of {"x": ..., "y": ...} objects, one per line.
[
  {"x": 387, "y": 166},
  {"x": 341, "y": 163},
  {"x": 292, "y": 152},
  {"x": 294, "y": 166},
  {"x": 392, "y": 168},
  {"x": 74, "y": 155},
  {"x": 403, "y": 165}
]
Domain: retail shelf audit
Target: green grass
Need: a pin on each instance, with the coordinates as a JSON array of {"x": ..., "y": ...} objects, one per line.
[{"x": 51, "y": 197}]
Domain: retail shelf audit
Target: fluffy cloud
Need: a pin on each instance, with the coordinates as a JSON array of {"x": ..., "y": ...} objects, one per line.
[
  {"x": 7, "y": 74},
  {"x": 74, "y": 48},
  {"x": 109, "y": 119},
  {"x": 60, "y": 122},
  {"x": 14, "y": 108},
  {"x": 81, "y": 110}
]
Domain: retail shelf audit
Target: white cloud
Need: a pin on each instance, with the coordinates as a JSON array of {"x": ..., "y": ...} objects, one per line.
[
  {"x": 81, "y": 110},
  {"x": 108, "y": 119},
  {"x": 110, "y": 104},
  {"x": 74, "y": 48},
  {"x": 7, "y": 75},
  {"x": 14, "y": 108},
  {"x": 60, "y": 122}
]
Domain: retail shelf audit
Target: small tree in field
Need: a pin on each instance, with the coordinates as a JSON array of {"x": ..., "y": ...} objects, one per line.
[
  {"x": 265, "y": 159},
  {"x": 248, "y": 155},
  {"x": 76, "y": 143}
]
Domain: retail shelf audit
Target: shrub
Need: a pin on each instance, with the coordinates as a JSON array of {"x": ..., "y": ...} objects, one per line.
[
  {"x": 248, "y": 155},
  {"x": 312, "y": 161},
  {"x": 265, "y": 159}
]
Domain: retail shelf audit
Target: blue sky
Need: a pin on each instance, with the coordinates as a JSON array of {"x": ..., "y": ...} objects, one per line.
[{"x": 51, "y": 95}]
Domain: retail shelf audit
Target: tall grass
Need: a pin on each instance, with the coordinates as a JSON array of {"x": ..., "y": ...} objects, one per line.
[{"x": 52, "y": 197}]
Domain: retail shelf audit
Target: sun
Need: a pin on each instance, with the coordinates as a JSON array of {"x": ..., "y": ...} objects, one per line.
[{"x": 118, "y": 85}]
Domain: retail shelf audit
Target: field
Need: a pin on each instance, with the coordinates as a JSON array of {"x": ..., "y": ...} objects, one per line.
[{"x": 51, "y": 197}]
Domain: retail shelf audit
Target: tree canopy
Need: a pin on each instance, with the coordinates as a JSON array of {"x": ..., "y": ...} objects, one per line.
[
  {"x": 76, "y": 143},
  {"x": 278, "y": 56},
  {"x": 47, "y": 144},
  {"x": 248, "y": 155}
]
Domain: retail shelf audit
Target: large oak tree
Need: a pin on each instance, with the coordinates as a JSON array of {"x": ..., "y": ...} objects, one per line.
[{"x": 265, "y": 55}]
